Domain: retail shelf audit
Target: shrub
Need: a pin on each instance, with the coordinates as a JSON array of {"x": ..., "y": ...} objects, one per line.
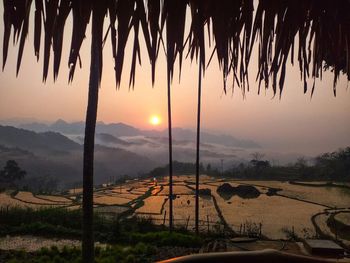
[{"x": 164, "y": 238}]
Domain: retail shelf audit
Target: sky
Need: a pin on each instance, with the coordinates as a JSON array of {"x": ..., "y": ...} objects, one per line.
[{"x": 296, "y": 123}]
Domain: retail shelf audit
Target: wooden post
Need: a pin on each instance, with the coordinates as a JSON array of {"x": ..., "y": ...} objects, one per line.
[
  {"x": 187, "y": 221},
  {"x": 170, "y": 141},
  {"x": 335, "y": 229},
  {"x": 164, "y": 217},
  {"x": 260, "y": 226},
  {"x": 197, "y": 148},
  {"x": 208, "y": 223}
]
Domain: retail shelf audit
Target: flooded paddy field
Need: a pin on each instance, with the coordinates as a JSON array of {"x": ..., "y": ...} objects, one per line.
[
  {"x": 343, "y": 218},
  {"x": 279, "y": 210},
  {"x": 331, "y": 196}
]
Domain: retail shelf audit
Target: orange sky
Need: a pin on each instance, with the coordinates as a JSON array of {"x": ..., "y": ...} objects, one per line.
[{"x": 295, "y": 123}]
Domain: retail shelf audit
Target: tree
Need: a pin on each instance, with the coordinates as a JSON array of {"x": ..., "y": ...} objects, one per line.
[
  {"x": 257, "y": 156},
  {"x": 89, "y": 138},
  {"x": 208, "y": 168},
  {"x": 301, "y": 162},
  {"x": 198, "y": 51},
  {"x": 170, "y": 148},
  {"x": 335, "y": 165},
  {"x": 301, "y": 165},
  {"x": 40, "y": 184},
  {"x": 260, "y": 164},
  {"x": 11, "y": 173}
]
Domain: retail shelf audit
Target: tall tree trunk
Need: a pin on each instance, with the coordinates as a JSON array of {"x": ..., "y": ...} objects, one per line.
[
  {"x": 89, "y": 139},
  {"x": 198, "y": 146},
  {"x": 170, "y": 157}
]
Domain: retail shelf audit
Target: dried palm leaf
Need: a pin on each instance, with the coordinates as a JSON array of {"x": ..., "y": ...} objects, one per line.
[{"x": 317, "y": 33}]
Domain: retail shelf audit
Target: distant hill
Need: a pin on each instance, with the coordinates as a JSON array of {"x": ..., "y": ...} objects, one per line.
[
  {"x": 53, "y": 154},
  {"x": 118, "y": 129},
  {"x": 121, "y": 129},
  {"x": 32, "y": 141},
  {"x": 34, "y": 126},
  {"x": 153, "y": 144},
  {"x": 67, "y": 128},
  {"x": 106, "y": 138},
  {"x": 189, "y": 135}
]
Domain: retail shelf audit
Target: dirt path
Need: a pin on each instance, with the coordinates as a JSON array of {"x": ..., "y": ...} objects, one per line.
[{"x": 32, "y": 243}]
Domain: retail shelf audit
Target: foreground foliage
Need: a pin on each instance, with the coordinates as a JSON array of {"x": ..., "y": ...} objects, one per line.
[
  {"x": 56, "y": 222},
  {"x": 138, "y": 253}
]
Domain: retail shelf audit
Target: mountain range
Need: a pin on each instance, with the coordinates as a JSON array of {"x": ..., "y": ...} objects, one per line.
[
  {"x": 56, "y": 148},
  {"x": 121, "y": 129},
  {"x": 153, "y": 144}
]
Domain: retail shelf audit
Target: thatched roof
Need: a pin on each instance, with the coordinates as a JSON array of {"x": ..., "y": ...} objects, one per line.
[{"x": 315, "y": 34}]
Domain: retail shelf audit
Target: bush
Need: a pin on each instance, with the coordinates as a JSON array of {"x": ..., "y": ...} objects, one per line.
[
  {"x": 41, "y": 229},
  {"x": 139, "y": 253},
  {"x": 67, "y": 224},
  {"x": 164, "y": 238},
  {"x": 55, "y": 216}
]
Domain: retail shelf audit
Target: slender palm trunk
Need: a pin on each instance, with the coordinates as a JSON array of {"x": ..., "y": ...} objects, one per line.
[
  {"x": 89, "y": 139},
  {"x": 198, "y": 146},
  {"x": 170, "y": 158}
]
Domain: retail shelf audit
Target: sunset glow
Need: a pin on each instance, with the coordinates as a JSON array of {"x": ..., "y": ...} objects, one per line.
[{"x": 154, "y": 120}]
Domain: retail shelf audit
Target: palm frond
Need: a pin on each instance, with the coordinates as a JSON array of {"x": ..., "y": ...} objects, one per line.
[
  {"x": 174, "y": 15},
  {"x": 81, "y": 11},
  {"x": 153, "y": 21},
  {"x": 58, "y": 31},
  {"x": 39, "y": 9},
  {"x": 124, "y": 11}
]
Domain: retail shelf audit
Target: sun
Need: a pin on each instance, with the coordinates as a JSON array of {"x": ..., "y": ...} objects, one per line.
[{"x": 154, "y": 120}]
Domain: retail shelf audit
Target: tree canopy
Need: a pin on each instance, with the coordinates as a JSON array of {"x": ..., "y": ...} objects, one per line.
[{"x": 11, "y": 172}]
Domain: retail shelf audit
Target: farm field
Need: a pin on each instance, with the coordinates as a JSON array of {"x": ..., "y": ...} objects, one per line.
[
  {"x": 288, "y": 211},
  {"x": 343, "y": 218},
  {"x": 326, "y": 195}
]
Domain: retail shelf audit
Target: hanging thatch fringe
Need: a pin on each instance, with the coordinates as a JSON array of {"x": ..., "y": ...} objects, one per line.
[{"x": 321, "y": 27}]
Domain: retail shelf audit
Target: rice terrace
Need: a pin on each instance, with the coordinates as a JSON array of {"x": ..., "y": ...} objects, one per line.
[{"x": 280, "y": 210}]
